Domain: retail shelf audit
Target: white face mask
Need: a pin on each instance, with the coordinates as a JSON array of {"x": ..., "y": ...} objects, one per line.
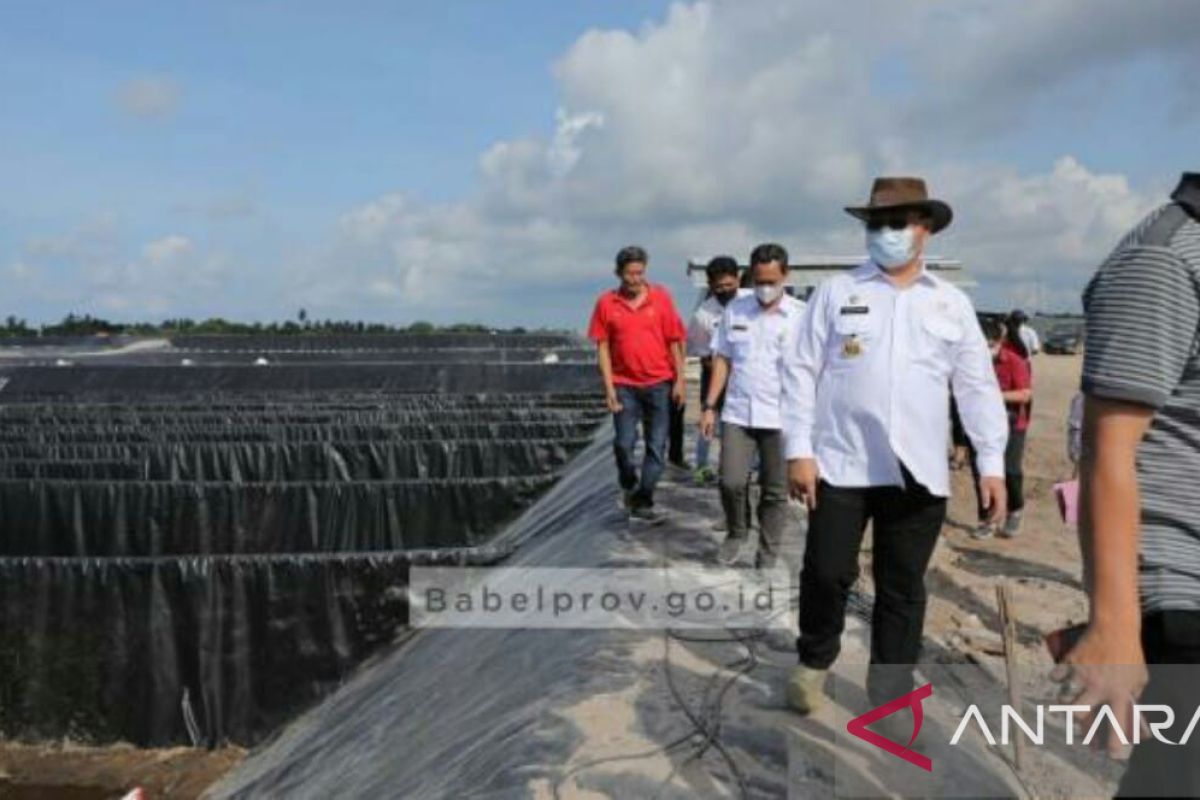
[
  {"x": 890, "y": 249},
  {"x": 768, "y": 293}
]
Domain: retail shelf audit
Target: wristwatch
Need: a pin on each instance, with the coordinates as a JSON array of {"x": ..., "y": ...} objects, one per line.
[{"x": 704, "y": 406}]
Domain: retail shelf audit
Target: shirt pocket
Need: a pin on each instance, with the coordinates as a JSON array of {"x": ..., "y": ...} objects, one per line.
[
  {"x": 740, "y": 342},
  {"x": 940, "y": 337},
  {"x": 943, "y": 330},
  {"x": 852, "y": 335}
]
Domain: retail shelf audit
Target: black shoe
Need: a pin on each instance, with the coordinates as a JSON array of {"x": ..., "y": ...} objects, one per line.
[{"x": 647, "y": 514}]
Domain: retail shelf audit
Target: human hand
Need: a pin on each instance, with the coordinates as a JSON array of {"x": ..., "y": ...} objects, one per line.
[
  {"x": 1106, "y": 667},
  {"x": 803, "y": 476},
  {"x": 995, "y": 498},
  {"x": 679, "y": 393}
]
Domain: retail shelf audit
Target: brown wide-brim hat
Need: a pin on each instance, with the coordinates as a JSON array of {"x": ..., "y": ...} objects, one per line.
[{"x": 902, "y": 194}]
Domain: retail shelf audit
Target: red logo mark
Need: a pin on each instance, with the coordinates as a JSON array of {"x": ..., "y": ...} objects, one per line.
[{"x": 858, "y": 726}]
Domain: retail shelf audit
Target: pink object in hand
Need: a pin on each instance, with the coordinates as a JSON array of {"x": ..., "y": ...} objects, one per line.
[{"x": 1067, "y": 494}]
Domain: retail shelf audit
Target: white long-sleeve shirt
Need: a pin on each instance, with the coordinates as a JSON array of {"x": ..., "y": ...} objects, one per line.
[
  {"x": 754, "y": 340},
  {"x": 868, "y": 385},
  {"x": 702, "y": 327},
  {"x": 1029, "y": 338}
]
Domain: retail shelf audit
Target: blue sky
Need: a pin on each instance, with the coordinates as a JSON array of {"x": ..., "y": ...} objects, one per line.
[
  {"x": 302, "y": 107},
  {"x": 234, "y": 158}
]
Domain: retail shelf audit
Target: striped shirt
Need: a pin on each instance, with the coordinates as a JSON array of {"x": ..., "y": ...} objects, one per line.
[{"x": 1143, "y": 346}]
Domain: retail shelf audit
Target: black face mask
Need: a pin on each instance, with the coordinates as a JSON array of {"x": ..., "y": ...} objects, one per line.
[{"x": 724, "y": 297}]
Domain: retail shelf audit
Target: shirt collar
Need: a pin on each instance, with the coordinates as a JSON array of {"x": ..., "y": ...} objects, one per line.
[
  {"x": 871, "y": 271},
  {"x": 713, "y": 304},
  {"x": 619, "y": 295},
  {"x": 787, "y": 304},
  {"x": 783, "y": 308},
  {"x": 1187, "y": 194}
]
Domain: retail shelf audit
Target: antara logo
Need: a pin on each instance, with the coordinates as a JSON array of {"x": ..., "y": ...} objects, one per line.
[{"x": 913, "y": 700}]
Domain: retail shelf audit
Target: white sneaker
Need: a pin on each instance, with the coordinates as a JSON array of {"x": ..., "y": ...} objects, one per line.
[
  {"x": 1012, "y": 525},
  {"x": 985, "y": 530},
  {"x": 729, "y": 551}
]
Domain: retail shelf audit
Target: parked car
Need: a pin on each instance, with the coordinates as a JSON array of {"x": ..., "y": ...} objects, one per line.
[{"x": 1063, "y": 341}]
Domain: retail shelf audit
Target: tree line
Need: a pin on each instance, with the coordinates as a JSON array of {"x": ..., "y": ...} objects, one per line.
[{"x": 87, "y": 325}]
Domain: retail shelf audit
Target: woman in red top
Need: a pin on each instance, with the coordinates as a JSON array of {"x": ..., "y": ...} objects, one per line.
[{"x": 1016, "y": 385}]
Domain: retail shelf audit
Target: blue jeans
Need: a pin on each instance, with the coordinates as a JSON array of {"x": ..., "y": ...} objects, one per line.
[{"x": 650, "y": 405}]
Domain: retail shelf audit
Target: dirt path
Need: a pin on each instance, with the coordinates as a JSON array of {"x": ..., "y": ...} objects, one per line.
[
  {"x": 1043, "y": 564},
  {"x": 66, "y": 772}
]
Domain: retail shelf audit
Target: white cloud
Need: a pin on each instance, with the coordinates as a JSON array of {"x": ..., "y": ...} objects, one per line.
[
  {"x": 94, "y": 239},
  {"x": 1034, "y": 239},
  {"x": 92, "y": 267},
  {"x": 166, "y": 249},
  {"x": 565, "y": 150},
  {"x": 150, "y": 97},
  {"x": 368, "y": 222},
  {"x": 169, "y": 275},
  {"x": 727, "y": 123}
]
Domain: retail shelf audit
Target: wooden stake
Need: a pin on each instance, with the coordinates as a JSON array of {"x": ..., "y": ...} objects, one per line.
[{"x": 1008, "y": 630}]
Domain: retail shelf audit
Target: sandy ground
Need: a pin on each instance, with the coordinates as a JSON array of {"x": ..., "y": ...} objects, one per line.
[
  {"x": 67, "y": 772},
  {"x": 1042, "y": 566}
]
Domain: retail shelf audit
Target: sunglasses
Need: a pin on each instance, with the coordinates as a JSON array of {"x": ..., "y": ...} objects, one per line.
[{"x": 896, "y": 222}]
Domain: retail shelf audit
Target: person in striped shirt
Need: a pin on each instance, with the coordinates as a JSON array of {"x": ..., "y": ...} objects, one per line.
[{"x": 1140, "y": 511}]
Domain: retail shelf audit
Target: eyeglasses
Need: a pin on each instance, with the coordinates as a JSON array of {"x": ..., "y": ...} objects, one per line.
[{"x": 896, "y": 222}]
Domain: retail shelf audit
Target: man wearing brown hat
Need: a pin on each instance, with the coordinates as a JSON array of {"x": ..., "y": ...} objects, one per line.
[{"x": 866, "y": 395}]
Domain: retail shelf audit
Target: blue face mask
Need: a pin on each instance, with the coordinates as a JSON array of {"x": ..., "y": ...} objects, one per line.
[{"x": 890, "y": 248}]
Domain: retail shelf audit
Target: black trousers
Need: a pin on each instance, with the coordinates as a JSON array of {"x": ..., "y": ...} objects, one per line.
[
  {"x": 1014, "y": 473},
  {"x": 1171, "y": 642},
  {"x": 675, "y": 446},
  {"x": 906, "y": 523},
  {"x": 958, "y": 434}
]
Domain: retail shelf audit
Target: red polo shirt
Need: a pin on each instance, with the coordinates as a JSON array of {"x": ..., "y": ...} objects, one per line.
[
  {"x": 1012, "y": 372},
  {"x": 639, "y": 339}
]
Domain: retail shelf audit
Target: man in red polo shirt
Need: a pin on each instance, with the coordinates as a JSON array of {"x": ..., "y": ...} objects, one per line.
[
  {"x": 1016, "y": 385},
  {"x": 640, "y": 338}
]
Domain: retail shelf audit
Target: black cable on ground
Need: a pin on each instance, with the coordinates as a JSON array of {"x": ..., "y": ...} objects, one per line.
[
  {"x": 710, "y": 723},
  {"x": 706, "y": 724}
]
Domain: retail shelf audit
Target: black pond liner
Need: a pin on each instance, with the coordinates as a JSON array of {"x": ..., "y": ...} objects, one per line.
[
  {"x": 126, "y": 382},
  {"x": 207, "y": 402},
  {"x": 383, "y": 341},
  {"x": 292, "y": 415},
  {"x": 173, "y": 357},
  {"x": 420, "y": 431},
  {"x": 195, "y": 555},
  {"x": 266, "y": 462},
  {"x": 102, "y": 518}
]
